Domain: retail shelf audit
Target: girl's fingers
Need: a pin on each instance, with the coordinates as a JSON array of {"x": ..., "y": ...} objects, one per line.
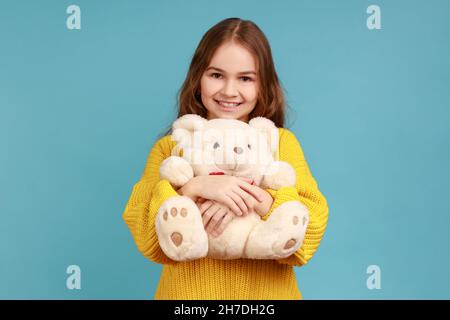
[
  {"x": 249, "y": 200},
  {"x": 231, "y": 204},
  {"x": 238, "y": 200},
  {"x": 220, "y": 227},
  {"x": 215, "y": 219},
  {"x": 248, "y": 180},
  {"x": 205, "y": 206},
  {"x": 206, "y": 217},
  {"x": 253, "y": 190}
]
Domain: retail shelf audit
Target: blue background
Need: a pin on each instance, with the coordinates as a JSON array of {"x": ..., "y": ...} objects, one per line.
[{"x": 80, "y": 110}]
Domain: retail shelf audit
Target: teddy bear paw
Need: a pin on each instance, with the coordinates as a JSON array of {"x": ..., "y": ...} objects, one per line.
[
  {"x": 180, "y": 229},
  {"x": 281, "y": 235},
  {"x": 292, "y": 238}
]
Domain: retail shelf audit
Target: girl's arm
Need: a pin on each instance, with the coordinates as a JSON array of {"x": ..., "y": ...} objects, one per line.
[
  {"x": 237, "y": 194},
  {"x": 261, "y": 207},
  {"x": 151, "y": 192},
  {"x": 307, "y": 192},
  {"x": 216, "y": 216},
  {"x": 146, "y": 198}
]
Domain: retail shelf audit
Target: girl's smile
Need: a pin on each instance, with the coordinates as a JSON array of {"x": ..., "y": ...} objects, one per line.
[{"x": 228, "y": 106}]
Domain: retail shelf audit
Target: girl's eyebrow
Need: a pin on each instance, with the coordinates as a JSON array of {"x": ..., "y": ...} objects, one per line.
[{"x": 223, "y": 71}]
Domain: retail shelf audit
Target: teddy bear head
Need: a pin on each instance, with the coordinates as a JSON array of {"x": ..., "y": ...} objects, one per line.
[{"x": 226, "y": 146}]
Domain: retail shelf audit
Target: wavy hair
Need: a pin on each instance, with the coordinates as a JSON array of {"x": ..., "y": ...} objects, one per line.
[{"x": 270, "y": 103}]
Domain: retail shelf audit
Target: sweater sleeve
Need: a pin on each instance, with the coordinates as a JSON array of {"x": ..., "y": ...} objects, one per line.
[
  {"x": 307, "y": 192},
  {"x": 146, "y": 197}
]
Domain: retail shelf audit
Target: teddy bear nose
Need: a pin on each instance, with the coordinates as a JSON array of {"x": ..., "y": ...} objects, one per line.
[{"x": 237, "y": 150}]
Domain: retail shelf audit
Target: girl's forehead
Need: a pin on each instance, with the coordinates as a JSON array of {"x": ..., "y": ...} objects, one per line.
[{"x": 233, "y": 58}]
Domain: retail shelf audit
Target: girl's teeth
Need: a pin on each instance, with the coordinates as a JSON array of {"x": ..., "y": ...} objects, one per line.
[{"x": 225, "y": 104}]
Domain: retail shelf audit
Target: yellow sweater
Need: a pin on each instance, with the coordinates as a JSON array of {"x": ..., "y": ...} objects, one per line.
[{"x": 225, "y": 279}]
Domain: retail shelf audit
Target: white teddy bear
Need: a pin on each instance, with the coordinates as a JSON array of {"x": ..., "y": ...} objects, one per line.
[{"x": 230, "y": 147}]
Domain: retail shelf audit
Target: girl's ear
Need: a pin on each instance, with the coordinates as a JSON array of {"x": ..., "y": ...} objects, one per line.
[
  {"x": 267, "y": 127},
  {"x": 190, "y": 122}
]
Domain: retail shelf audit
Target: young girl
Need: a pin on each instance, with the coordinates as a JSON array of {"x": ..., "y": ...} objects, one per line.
[{"x": 232, "y": 75}]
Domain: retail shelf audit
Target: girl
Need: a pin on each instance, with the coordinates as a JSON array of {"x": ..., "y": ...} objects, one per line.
[{"x": 232, "y": 75}]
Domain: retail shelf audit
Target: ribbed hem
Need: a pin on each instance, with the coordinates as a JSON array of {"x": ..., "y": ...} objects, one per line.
[{"x": 241, "y": 279}]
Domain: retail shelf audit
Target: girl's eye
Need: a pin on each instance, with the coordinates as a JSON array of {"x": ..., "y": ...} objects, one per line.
[
  {"x": 216, "y": 145},
  {"x": 216, "y": 75},
  {"x": 246, "y": 79},
  {"x": 249, "y": 146}
]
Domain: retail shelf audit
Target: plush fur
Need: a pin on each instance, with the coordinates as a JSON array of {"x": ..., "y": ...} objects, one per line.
[{"x": 235, "y": 148}]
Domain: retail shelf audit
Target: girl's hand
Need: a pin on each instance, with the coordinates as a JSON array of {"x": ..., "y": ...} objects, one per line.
[
  {"x": 216, "y": 216},
  {"x": 235, "y": 193},
  {"x": 263, "y": 206},
  {"x": 220, "y": 227}
]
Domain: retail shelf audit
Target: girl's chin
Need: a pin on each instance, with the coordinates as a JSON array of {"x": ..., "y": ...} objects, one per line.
[
  {"x": 227, "y": 115},
  {"x": 219, "y": 111}
]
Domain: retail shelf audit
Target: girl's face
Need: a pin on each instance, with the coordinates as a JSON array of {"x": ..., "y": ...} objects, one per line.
[{"x": 229, "y": 87}]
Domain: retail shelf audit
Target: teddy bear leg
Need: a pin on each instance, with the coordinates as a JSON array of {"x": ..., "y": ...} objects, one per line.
[
  {"x": 180, "y": 229},
  {"x": 281, "y": 234},
  {"x": 231, "y": 243}
]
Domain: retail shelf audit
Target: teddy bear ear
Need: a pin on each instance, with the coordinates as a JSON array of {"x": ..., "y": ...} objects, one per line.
[
  {"x": 189, "y": 122},
  {"x": 183, "y": 130},
  {"x": 267, "y": 127},
  {"x": 262, "y": 124}
]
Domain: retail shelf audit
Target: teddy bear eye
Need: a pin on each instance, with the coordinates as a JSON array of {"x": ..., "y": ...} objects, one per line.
[
  {"x": 216, "y": 145},
  {"x": 249, "y": 146}
]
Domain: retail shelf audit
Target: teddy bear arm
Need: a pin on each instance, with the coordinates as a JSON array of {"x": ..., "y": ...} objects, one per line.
[
  {"x": 279, "y": 174},
  {"x": 177, "y": 170}
]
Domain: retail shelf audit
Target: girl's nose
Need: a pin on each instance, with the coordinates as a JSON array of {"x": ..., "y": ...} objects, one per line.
[
  {"x": 237, "y": 150},
  {"x": 230, "y": 89}
]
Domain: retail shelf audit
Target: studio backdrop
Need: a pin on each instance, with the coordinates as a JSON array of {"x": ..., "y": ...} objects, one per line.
[{"x": 87, "y": 87}]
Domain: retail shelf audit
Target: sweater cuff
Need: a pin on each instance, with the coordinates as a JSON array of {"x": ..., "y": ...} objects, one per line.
[
  {"x": 160, "y": 193},
  {"x": 281, "y": 196},
  {"x": 150, "y": 247}
]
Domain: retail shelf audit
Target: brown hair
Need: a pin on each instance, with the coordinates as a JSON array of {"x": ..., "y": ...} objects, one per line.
[{"x": 271, "y": 103}]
